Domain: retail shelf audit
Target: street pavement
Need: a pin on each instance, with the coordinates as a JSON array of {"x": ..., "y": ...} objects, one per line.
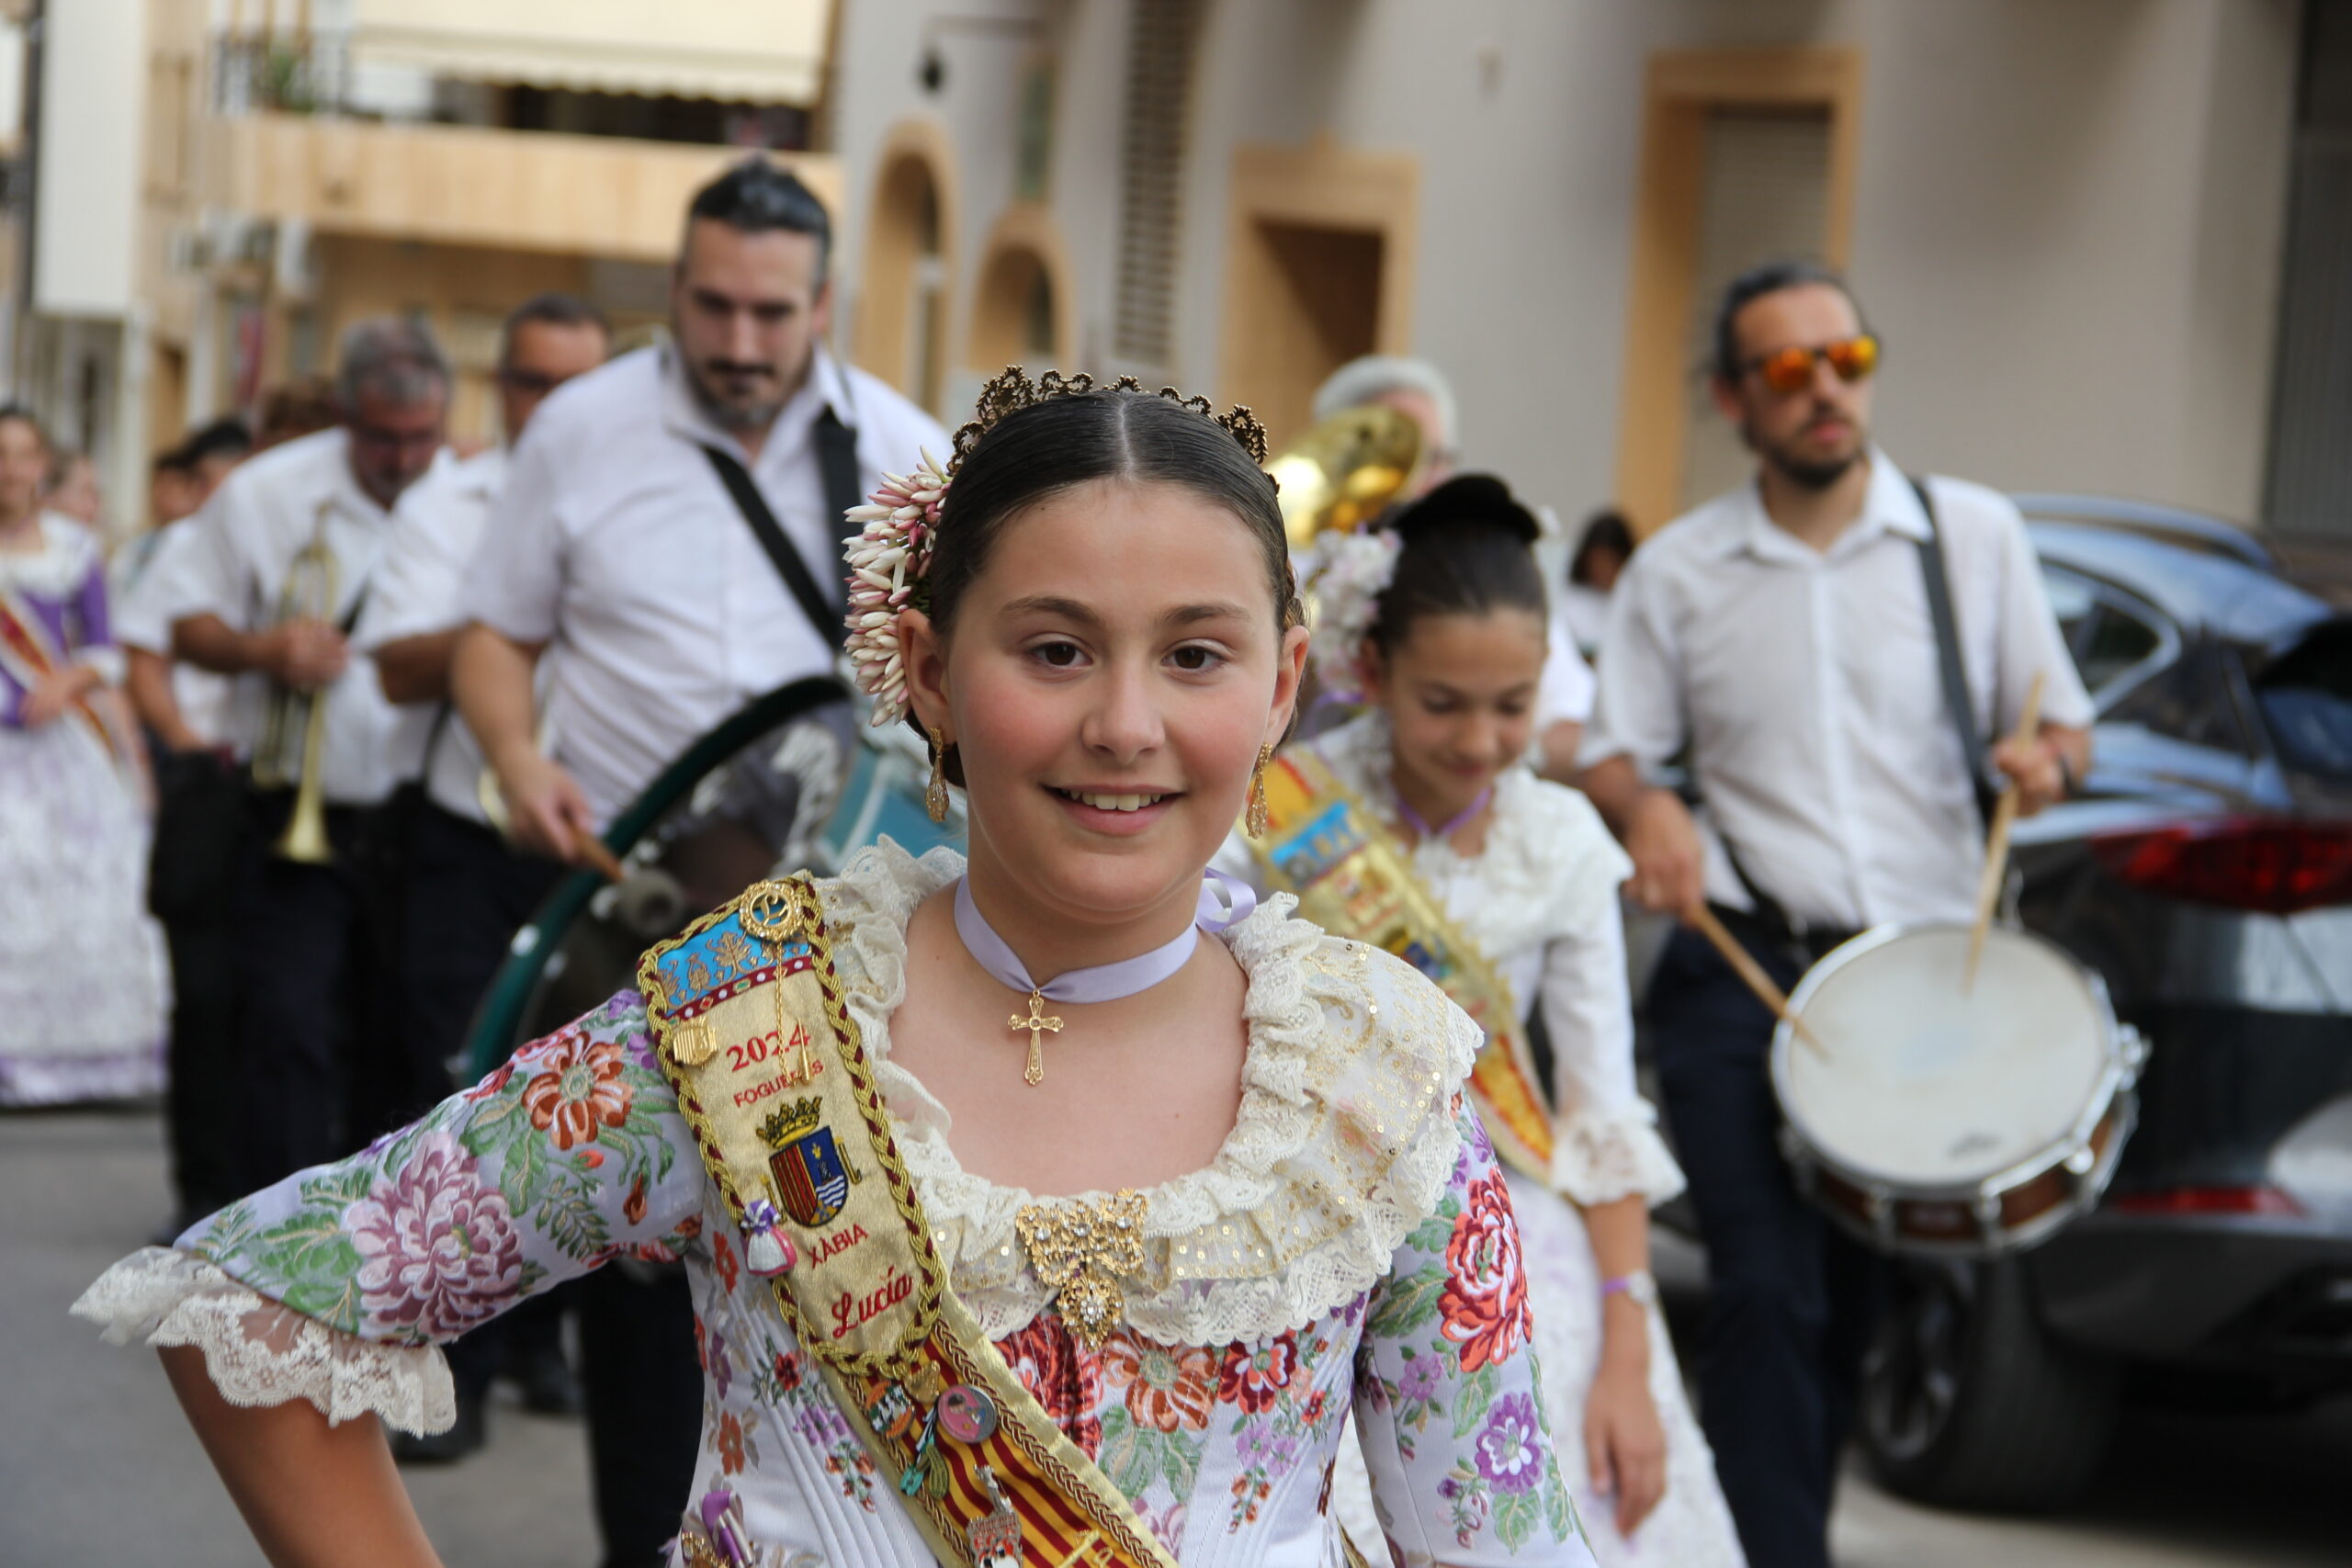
[{"x": 96, "y": 1467}]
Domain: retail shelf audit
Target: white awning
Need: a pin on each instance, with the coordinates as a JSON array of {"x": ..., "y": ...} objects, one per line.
[{"x": 769, "y": 51}]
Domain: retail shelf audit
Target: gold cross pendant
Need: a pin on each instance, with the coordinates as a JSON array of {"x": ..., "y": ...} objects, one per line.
[{"x": 1036, "y": 1024}]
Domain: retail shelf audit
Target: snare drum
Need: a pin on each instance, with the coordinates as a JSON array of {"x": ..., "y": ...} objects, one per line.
[{"x": 1959, "y": 1124}]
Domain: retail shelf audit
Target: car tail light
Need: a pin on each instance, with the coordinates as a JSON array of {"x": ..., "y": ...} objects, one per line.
[
  {"x": 2277, "y": 868},
  {"x": 2204, "y": 1200}
]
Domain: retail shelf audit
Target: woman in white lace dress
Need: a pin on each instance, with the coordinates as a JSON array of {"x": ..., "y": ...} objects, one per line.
[
  {"x": 1438, "y": 622},
  {"x": 84, "y": 981},
  {"x": 1271, "y": 1208}
]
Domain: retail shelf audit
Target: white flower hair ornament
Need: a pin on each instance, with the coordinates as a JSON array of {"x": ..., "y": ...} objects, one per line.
[
  {"x": 888, "y": 560},
  {"x": 1344, "y": 576}
]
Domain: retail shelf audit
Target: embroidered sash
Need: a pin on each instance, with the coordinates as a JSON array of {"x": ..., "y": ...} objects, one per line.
[
  {"x": 1354, "y": 879},
  {"x": 29, "y": 658},
  {"x": 773, "y": 1079}
]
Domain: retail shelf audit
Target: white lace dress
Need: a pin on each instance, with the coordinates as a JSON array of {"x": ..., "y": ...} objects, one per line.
[
  {"x": 1540, "y": 900},
  {"x": 1349, "y": 1249}
]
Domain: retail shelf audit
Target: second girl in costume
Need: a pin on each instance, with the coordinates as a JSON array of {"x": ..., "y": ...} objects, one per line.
[{"x": 1415, "y": 828}]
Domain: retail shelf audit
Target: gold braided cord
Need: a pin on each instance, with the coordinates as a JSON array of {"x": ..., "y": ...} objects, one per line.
[{"x": 1012, "y": 391}]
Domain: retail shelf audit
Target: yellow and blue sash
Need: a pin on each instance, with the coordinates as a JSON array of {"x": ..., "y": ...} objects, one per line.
[{"x": 771, "y": 1075}]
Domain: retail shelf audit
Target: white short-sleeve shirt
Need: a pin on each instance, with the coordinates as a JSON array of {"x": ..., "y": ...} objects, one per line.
[
  {"x": 420, "y": 586},
  {"x": 142, "y": 621},
  {"x": 615, "y": 544},
  {"x": 235, "y": 563},
  {"x": 1807, "y": 687}
]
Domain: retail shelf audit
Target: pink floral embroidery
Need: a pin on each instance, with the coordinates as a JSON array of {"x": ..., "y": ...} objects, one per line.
[{"x": 437, "y": 1248}]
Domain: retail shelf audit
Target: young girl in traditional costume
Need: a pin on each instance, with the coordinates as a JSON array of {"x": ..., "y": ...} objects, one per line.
[
  {"x": 1026, "y": 1223},
  {"x": 1415, "y": 828},
  {"x": 83, "y": 982}
]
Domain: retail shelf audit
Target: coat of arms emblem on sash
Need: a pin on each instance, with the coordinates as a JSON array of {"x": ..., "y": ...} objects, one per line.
[{"x": 811, "y": 1179}]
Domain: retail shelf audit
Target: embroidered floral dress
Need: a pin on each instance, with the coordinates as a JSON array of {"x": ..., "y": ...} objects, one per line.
[
  {"x": 1540, "y": 900},
  {"x": 84, "y": 980},
  {"x": 1351, "y": 1247}
]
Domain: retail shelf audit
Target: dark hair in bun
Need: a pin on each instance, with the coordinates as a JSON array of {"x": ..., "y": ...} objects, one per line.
[{"x": 1468, "y": 550}]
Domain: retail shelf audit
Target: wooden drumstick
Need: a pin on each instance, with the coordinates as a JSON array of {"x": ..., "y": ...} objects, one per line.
[
  {"x": 1996, "y": 845},
  {"x": 1744, "y": 965},
  {"x": 589, "y": 851}
]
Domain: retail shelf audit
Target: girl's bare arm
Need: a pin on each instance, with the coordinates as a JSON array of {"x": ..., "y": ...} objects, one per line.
[{"x": 315, "y": 1495}]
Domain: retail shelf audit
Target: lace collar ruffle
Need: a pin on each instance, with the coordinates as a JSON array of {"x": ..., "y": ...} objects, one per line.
[{"x": 1345, "y": 1141}]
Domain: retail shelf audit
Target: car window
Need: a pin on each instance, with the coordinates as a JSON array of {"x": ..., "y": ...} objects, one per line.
[
  {"x": 2072, "y": 601},
  {"x": 2108, "y": 637},
  {"x": 2115, "y": 642},
  {"x": 2305, "y": 696}
]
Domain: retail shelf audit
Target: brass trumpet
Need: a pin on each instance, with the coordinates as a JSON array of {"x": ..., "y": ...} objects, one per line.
[{"x": 313, "y": 584}]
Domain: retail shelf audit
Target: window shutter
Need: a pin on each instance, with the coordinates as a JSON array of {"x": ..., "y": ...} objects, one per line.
[{"x": 1159, "y": 92}]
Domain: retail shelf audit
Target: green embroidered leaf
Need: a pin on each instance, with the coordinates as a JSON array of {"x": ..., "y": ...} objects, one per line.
[
  {"x": 568, "y": 1217},
  {"x": 1131, "y": 1455},
  {"x": 1431, "y": 1235},
  {"x": 1182, "y": 1461},
  {"x": 1559, "y": 1508},
  {"x": 309, "y": 1263},
  {"x": 340, "y": 1186},
  {"x": 1450, "y": 1206},
  {"x": 1406, "y": 1304},
  {"x": 1515, "y": 1518},
  {"x": 228, "y": 1230},
  {"x": 1474, "y": 1394}
]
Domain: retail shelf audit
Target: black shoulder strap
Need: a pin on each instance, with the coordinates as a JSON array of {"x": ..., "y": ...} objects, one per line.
[
  {"x": 823, "y": 614},
  {"x": 1955, "y": 676},
  {"x": 837, "y": 461}
]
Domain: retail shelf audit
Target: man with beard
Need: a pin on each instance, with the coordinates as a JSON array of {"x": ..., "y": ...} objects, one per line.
[
  {"x": 669, "y": 542},
  {"x": 1786, "y": 632}
]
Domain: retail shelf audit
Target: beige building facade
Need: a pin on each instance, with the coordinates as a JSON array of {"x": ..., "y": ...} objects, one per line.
[
  {"x": 220, "y": 187},
  {"x": 2068, "y": 221}
]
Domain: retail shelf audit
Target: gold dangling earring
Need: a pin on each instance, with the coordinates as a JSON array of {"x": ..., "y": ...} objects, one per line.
[
  {"x": 1253, "y": 815},
  {"x": 934, "y": 795}
]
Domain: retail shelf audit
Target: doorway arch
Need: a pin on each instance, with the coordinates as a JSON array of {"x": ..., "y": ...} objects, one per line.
[
  {"x": 1022, "y": 304},
  {"x": 906, "y": 295}
]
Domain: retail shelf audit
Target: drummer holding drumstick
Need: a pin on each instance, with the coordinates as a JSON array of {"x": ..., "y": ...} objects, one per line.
[{"x": 1787, "y": 634}]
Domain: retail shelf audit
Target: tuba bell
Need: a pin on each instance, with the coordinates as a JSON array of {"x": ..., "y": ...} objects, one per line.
[
  {"x": 1346, "y": 472},
  {"x": 312, "y": 585}
]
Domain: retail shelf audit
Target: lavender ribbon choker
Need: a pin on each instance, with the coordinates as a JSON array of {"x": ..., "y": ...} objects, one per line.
[
  {"x": 1445, "y": 832},
  {"x": 1226, "y": 901}
]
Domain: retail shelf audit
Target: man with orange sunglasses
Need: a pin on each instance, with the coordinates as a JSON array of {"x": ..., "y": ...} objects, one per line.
[{"x": 1829, "y": 641}]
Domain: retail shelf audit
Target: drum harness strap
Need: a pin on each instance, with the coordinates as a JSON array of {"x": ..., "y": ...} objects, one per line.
[
  {"x": 837, "y": 458},
  {"x": 1768, "y": 919}
]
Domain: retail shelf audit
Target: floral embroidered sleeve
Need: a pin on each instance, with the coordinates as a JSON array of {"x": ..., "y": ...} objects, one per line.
[
  {"x": 337, "y": 1283},
  {"x": 1447, "y": 1401}
]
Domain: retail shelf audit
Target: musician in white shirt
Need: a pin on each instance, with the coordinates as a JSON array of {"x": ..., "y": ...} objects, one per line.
[
  {"x": 1784, "y": 632},
  {"x": 618, "y": 554},
  {"x": 619, "y": 572},
  {"x": 309, "y": 978}
]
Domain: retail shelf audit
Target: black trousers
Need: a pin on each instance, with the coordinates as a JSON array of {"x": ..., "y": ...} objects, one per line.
[
  {"x": 1792, "y": 1301},
  {"x": 202, "y": 839},
  {"x": 461, "y": 894},
  {"x": 310, "y": 979},
  {"x": 644, "y": 1392},
  {"x": 464, "y": 893}
]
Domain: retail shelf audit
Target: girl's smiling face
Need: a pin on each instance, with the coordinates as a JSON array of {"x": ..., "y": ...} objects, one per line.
[
  {"x": 1111, "y": 673},
  {"x": 1460, "y": 694}
]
